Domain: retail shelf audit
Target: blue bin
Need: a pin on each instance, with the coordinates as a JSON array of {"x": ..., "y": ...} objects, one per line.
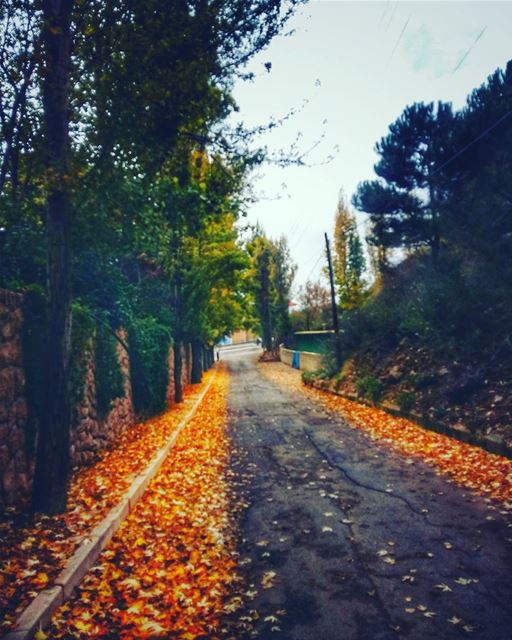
[{"x": 296, "y": 360}]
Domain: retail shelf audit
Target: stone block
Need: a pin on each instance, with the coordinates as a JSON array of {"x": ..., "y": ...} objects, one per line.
[
  {"x": 40, "y": 610},
  {"x": 107, "y": 527},
  {"x": 8, "y": 328},
  {"x": 77, "y": 566},
  {"x": 10, "y": 351},
  {"x": 16, "y": 439},
  {"x": 21, "y": 411},
  {"x": 138, "y": 487},
  {"x": 7, "y": 385}
]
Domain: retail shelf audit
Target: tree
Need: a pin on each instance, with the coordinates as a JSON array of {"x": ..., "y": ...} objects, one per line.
[
  {"x": 405, "y": 202},
  {"x": 273, "y": 273},
  {"x": 52, "y": 463},
  {"x": 101, "y": 105},
  {"x": 314, "y": 300},
  {"x": 349, "y": 261}
]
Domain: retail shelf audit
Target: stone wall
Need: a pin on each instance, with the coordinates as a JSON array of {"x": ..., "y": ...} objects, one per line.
[
  {"x": 92, "y": 433},
  {"x": 15, "y": 467}
]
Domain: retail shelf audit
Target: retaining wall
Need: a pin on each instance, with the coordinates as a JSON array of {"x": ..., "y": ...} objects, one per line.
[
  {"x": 90, "y": 432},
  {"x": 16, "y": 468},
  {"x": 305, "y": 360}
]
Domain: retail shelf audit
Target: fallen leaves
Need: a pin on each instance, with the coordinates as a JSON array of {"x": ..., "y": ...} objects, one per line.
[
  {"x": 470, "y": 466},
  {"x": 267, "y": 580},
  {"x": 33, "y": 553},
  {"x": 170, "y": 567}
]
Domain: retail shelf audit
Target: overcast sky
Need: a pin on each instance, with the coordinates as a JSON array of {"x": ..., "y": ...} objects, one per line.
[{"x": 348, "y": 70}]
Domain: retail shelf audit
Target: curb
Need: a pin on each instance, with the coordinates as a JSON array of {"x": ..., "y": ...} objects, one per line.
[
  {"x": 40, "y": 611},
  {"x": 491, "y": 444}
]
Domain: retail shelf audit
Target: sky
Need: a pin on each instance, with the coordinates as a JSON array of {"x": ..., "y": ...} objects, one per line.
[{"x": 345, "y": 73}]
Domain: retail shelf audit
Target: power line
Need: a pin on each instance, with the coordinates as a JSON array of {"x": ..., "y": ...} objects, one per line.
[
  {"x": 458, "y": 153},
  {"x": 399, "y": 38},
  {"x": 315, "y": 265},
  {"x": 474, "y": 141},
  {"x": 459, "y": 64}
]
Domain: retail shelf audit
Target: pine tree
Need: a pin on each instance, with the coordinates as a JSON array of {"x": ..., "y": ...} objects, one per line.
[{"x": 405, "y": 202}]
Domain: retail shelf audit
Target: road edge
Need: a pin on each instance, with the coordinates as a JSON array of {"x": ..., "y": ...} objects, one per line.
[
  {"x": 40, "y": 611},
  {"x": 489, "y": 443}
]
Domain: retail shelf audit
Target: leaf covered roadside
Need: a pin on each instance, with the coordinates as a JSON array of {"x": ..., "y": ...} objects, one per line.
[
  {"x": 168, "y": 570},
  {"x": 470, "y": 466},
  {"x": 32, "y": 554}
]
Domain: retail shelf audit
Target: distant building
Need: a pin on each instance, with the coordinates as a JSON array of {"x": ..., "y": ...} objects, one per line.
[{"x": 243, "y": 335}]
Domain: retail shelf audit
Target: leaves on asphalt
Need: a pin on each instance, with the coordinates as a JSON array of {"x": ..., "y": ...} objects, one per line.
[{"x": 470, "y": 466}]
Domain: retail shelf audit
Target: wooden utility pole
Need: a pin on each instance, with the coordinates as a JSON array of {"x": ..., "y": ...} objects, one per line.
[{"x": 337, "y": 346}]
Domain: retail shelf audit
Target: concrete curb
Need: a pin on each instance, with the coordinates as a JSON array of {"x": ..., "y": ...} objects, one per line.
[
  {"x": 40, "y": 611},
  {"x": 491, "y": 444}
]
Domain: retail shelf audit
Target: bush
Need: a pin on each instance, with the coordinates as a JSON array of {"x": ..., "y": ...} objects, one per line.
[
  {"x": 149, "y": 350},
  {"x": 405, "y": 401},
  {"x": 109, "y": 379},
  {"x": 372, "y": 388},
  {"x": 83, "y": 329}
]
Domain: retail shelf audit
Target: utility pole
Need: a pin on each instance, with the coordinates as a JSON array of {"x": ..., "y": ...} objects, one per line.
[{"x": 337, "y": 345}]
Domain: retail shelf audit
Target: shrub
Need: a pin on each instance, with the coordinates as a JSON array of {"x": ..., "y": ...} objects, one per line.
[
  {"x": 109, "y": 379},
  {"x": 370, "y": 387},
  {"x": 405, "y": 400},
  {"x": 374, "y": 389},
  {"x": 149, "y": 350}
]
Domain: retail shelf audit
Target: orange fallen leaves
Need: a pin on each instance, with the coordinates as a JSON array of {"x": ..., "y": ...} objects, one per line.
[
  {"x": 168, "y": 571},
  {"x": 30, "y": 551},
  {"x": 470, "y": 466}
]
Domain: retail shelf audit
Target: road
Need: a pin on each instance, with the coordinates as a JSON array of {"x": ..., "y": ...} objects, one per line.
[{"x": 351, "y": 540}]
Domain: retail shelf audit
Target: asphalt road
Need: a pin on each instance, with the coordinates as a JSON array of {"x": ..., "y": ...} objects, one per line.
[{"x": 343, "y": 539}]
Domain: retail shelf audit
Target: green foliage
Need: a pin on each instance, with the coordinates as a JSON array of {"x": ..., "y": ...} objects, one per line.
[
  {"x": 272, "y": 276},
  {"x": 424, "y": 380},
  {"x": 109, "y": 379},
  {"x": 349, "y": 262},
  {"x": 149, "y": 343},
  {"x": 405, "y": 401},
  {"x": 308, "y": 377},
  {"x": 404, "y": 201},
  {"x": 83, "y": 329},
  {"x": 370, "y": 387}
]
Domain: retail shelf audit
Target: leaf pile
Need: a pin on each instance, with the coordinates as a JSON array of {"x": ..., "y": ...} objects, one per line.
[
  {"x": 32, "y": 554},
  {"x": 470, "y": 466},
  {"x": 167, "y": 572}
]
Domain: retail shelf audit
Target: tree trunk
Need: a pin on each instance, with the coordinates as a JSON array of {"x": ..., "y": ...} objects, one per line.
[
  {"x": 178, "y": 368},
  {"x": 52, "y": 461},
  {"x": 197, "y": 362},
  {"x": 206, "y": 360}
]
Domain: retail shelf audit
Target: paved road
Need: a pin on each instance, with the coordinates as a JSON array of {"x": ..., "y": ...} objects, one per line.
[{"x": 365, "y": 544}]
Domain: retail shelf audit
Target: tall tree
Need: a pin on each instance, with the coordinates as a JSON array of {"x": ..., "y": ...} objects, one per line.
[
  {"x": 273, "y": 273},
  {"x": 52, "y": 464},
  {"x": 349, "y": 261},
  {"x": 405, "y": 202}
]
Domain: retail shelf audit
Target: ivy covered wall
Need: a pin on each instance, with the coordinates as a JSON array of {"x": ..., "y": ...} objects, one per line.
[{"x": 104, "y": 383}]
